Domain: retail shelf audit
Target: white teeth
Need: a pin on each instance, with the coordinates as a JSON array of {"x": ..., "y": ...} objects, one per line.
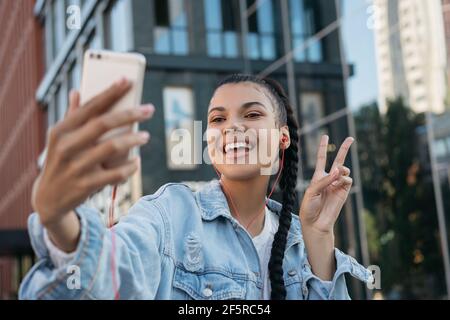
[{"x": 237, "y": 145}]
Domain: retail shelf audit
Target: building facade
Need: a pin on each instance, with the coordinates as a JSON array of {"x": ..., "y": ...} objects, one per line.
[{"x": 411, "y": 59}]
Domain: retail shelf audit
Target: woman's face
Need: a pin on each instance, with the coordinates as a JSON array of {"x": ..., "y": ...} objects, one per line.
[{"x": 243, "y": 132}]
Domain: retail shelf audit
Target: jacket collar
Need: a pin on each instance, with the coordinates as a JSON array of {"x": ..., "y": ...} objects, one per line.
[{"x": 213, "y": 203}]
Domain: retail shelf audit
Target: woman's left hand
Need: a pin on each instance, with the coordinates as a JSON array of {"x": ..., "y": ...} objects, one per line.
[{"x": 327, "y": 193}]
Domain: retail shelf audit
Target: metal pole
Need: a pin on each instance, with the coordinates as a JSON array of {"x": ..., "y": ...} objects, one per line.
[
  {"x": 244, "y": 35},
  {"x": 287, "y": 43},
  {"x": 439, "y": 201},
  {"x": 354, "y": 157}
]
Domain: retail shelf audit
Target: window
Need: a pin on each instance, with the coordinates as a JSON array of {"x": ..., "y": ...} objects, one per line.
[
  {"x": 59, "y": 18},
  {"x": 440, "y": 148},
  {"x": 221, "y": 22},
  {"x": 56, "y": 30},
  {"x": 179, "y": 128},
  {"x": 312, "y": 110},
  {"x": 61, "y": 101},
  {"x": 49, "y": 46},
  {"x": 94, "y": 41},
  {"x": 118, "y": 27},
  {"x": 75, "y": 75},
  {"x": 261, "y": 39},
  {"x": 304, "y": 24},
  {"x": 51, "y": 112},
  {"x": 170, "y": 32}
]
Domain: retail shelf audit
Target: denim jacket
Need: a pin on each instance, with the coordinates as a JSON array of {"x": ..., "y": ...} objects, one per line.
[{"x": 176, "y": 244}]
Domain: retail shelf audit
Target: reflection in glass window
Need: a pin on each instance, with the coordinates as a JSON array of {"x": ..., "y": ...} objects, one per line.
[
  {"x": 162, "y": 40},
  {"x": 253, "y": 45},
  {"x": 312, "y": 110},
  {"x": 304, "y": 24},
  {"x": 62, "y": 101},
  {"x": 261, "y": 38},
  {"x": 230, "y": 44},
  {"x": 221, "y": 28},
  {"x": 59, "y": 26},
  {"x": 179, "y": 127},
  {"x": 75, "y": 75},
  {"x": 171, "y": 27}
]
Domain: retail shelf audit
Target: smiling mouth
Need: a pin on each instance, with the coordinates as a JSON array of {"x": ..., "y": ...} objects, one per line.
[
  {"x": 236, "y": 150},
  {"x": 236, "y": 146}
]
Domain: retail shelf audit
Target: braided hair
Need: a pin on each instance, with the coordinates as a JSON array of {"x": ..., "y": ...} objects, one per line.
[{"x": 288, "y": 179}]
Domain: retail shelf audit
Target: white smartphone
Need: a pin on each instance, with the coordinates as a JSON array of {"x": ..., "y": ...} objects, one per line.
[{"x": 101, "y": 68}]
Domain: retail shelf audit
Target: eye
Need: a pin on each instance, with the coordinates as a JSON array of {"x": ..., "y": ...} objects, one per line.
[
  {"x": 217, "y": 119},
  {"x": 253, "y": 115}
]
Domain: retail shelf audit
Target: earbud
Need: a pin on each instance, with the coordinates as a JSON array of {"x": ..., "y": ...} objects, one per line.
[{"x": 284, "y": 141}]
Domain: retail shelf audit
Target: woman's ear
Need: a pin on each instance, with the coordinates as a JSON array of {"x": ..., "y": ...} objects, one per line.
[{"x": 285, "y": 138}]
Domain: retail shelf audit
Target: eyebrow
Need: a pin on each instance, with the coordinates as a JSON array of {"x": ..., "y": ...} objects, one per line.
[{"x": 244, "y": 106}]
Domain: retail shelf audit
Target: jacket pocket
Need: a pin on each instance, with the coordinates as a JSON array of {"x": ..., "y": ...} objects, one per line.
[
  {"x": 207, "y": 285},
  {"x": 295, "y": 288}
]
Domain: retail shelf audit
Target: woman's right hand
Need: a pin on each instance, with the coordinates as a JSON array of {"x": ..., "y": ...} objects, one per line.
[{"x": 73, "y": 167}]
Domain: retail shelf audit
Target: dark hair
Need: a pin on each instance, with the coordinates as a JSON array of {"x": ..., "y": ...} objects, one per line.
[{"x": 288, "y": 179}]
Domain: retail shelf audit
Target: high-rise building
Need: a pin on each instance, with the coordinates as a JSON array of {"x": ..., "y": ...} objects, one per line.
[
  {"x": 189, "y": 46},
  {"x": 411, "y": 56}
]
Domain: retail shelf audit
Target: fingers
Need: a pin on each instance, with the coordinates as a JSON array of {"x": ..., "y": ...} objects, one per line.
[
  {"x": 342, "y": 153},
  {"x": 114, "y": 176},
  {"x": 318, "y": 186},
  {"x": 345, "y": 171},
  {"x": 74, "y": 102},
  {"x": 322, "y": 155},
  {"x": 110, "y": 148},
  {"x": 85, "y": 135},
  {"x": 335, "y": 175},
  {"x": 343, "y": 182},
  {"x": 97, "y": 105}
]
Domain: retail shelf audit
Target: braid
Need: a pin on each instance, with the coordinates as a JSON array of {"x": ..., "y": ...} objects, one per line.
[
  {"x": 288, "y": 180},
  {"x": 288, "y": 183}
]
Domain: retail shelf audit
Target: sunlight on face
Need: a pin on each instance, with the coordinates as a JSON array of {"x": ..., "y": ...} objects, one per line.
[{"x": 243, "y": 132}]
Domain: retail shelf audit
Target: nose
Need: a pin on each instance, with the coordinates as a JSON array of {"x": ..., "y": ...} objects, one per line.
[{"x": 236, "y": 126}]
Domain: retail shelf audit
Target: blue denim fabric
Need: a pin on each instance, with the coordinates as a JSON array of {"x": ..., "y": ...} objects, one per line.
[{"x": 177, "y": 244}]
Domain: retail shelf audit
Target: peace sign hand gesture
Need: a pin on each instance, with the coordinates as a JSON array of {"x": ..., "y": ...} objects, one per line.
[{"x": 325, "y": 197}]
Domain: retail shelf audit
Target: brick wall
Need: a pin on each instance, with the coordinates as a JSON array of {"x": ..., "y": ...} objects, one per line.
[{"x": 22, "y": 122}]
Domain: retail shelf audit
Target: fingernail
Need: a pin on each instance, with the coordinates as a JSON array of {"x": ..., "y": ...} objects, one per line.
[
  {"x": 335, "y": 172},
  {"x": 144, "y": 136},
  {"x": 147, "y": 109},
  {"x": 122, "y": 82}
]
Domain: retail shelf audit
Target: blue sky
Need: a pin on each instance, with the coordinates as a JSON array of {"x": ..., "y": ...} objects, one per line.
[{"x": 359, "y": 48}]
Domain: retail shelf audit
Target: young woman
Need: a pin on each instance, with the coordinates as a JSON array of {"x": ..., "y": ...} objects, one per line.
[{"x": 225, "y": 241}]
